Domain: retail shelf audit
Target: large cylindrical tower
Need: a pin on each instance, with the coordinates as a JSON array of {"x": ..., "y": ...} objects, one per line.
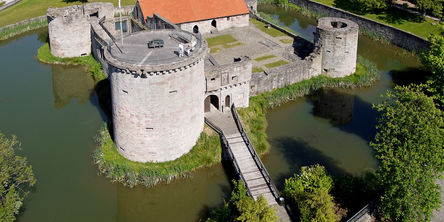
[
  {"x": 338, "y": 41},
  {"x": 157, "y": 96}
]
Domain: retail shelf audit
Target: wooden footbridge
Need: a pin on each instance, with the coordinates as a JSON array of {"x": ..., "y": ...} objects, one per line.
[{"x": 240, "y": 152}]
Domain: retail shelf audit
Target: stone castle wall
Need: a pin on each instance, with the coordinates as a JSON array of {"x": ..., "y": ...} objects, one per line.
[
  {"x": 158, "y": 118},
  {"x": 70, "y": 36},
  {"x": 338, "y": 40},
  {"x": 158, "y": 111},
  {"x": 232, "y": 80},
  {"x": 221, "y": 24},
  {"x": 278, "y": 77},
  {"x": 396, "y": 36}
]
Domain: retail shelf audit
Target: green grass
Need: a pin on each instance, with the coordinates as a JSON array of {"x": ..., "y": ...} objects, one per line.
[
  {"x": 276, "y": 64},
  {"x": 257, "y": 69},
  {"x": 94, "y": 67},
  {"x": 286, "y": 41},
  {"x": 254, "y": 117},
  {"x": 27, "y": 9},
  {"x": 10, "y": 32},
  {"x": 263, "y": 27},
  {"x": 110, "y": 163},
  {"x": 221, "y": 40},
  {"x": 214, "y": 50},
  {"x": 226, "y": 41},
  {"x": 2, "y": 3},
  {"x": 262, "y": 58},
  {"x": 394, "y": 17},
  {"x": 231, "y": 45}
]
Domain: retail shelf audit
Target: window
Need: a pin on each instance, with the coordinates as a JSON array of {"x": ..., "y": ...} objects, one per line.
[{"x": 124, "y": 27}]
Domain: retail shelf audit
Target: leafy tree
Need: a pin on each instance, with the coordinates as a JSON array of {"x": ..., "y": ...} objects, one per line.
[
  {"x": 370, "y": 5},
  {"x": 16, "y": 177},
  {"x": 255, "y": 211},
  {"x": 408, "y": 145},
  {"x": 309, "y": 191},
  {"x": 433, "y": 61},
  {"x": 244, "y": 208},
  {"x": 433, "y": 6}
]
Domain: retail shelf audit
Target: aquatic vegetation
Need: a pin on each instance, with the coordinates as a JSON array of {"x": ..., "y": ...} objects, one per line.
[{"x": 94, "y": 67}]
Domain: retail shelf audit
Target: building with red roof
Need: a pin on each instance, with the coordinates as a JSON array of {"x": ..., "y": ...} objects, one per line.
[{"x": 197, "y": 16}]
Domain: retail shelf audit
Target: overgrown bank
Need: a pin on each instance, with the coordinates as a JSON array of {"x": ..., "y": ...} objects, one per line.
[
  {"x": 44, "y": 55},
  {"x": 110, "y": 163},
  {"x": 254, "y": 117},
  {"x": 23, "y": 26}
]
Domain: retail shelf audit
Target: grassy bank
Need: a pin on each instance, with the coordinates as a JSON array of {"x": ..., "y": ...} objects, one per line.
[
  {"x": 254, "y": 117},
  {"x": 27, "y": 9},
  {"x": 110, "y": 163},
  {"x": 13, "y": 31},
  {"x": 94, "y": 67},
  {"x": 394, "y": 17}
]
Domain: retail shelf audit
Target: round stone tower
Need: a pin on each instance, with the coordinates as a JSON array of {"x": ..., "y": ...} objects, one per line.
[
  {"x": 157, "y": 96},
  {"x": 338, "y": 41}
]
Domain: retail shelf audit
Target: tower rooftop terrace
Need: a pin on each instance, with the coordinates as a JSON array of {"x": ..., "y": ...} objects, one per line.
[{"x": 135, "y": 52}]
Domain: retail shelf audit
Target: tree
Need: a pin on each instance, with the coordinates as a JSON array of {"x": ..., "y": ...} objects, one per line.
[
  {"x": 433, "y": 6},
  {"x": 408, "y": 145},
  {"x": 244, "y": 208},
  {"x": 309, "y": 191},
  {"x": 370, "y": 5},
  {"x": 16, "y": 178},
  {"x": 433, "y": 61}
]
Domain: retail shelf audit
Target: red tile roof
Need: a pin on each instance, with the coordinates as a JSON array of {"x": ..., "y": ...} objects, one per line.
[{"x": 181, "y": 11}]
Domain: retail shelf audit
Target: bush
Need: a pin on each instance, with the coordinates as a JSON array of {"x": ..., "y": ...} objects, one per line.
[
  {"x": 16, "y": 178},
  {"x": 309, "y": 192}
]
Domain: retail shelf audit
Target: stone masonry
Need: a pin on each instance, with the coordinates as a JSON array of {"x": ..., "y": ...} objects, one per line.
[{"x": 338, "y": 40}]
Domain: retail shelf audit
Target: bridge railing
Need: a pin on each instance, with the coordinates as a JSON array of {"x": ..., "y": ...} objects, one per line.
[
  {"x": 256, "y": 158},
  {"x": 229, "y": 152}
]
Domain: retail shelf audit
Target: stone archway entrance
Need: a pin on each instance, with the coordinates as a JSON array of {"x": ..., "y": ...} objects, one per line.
[
  {"x": 211, "y": 100},
  {"x": 196, "y": 29},
  {"x": 228, "y": 101}
]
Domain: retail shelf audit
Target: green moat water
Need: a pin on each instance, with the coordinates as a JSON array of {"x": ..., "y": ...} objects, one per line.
[{"x": 55, "y": 113}]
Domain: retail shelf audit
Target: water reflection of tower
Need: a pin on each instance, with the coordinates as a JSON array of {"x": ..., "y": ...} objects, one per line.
[
  {"x": 69, "y": 82},
  {"x": 334, "y": 104}
]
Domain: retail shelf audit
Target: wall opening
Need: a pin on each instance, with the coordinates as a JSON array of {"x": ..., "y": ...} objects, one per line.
[
  {"x": 227, "y": 101},
  {"x": 338, "y": 25},
  {"x": 213, "y": 23},
  {"x": 196, "y": 29},
  {"x": 211, "y": 100},
  {"x": 95, "y": 14}
]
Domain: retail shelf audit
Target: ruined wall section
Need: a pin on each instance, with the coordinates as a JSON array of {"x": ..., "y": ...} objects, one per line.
[
  {"x": 252, "y": 5},
  {"x": 278, "y": 77},
  {"x": 232, "y": 80},
  {"x": 223, "y": 23},
  {"x": 70, "y": 36},
  {"x": 338, "y": 40}
]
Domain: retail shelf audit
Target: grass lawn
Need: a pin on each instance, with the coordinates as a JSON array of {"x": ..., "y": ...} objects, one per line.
[
  {"x": 27, "y": 9},
  {"x": 262, "y": 58},
  {"x": 276, "y": 64},
  {"x": 257, "y": 69},
  {"x": 394, "y": 17},
  {"x": 263, "y": 27},
  {"x": 226, "y": 41},
  {"x": 286, "y": 41}
]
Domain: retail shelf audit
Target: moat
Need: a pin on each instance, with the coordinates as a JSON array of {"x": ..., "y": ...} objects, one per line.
[{"x": 55, "y": 113}]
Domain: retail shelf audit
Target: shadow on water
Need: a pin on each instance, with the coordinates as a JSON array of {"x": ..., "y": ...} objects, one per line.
[
  {"x": 71, "y": 82},
  {"x": 299, "y": 153},
  {"x": 344, "y": 110},
  {"x": 409, "y": 76}
]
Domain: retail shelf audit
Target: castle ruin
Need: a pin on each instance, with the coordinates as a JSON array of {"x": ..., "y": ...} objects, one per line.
[{"x": 160, "y": 95}]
